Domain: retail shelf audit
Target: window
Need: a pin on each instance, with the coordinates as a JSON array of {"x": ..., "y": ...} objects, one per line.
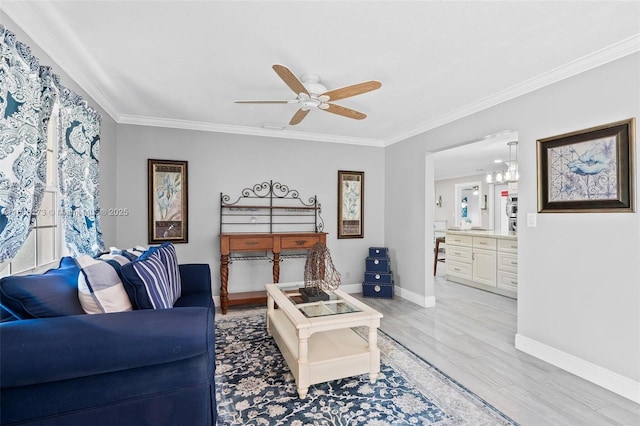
[{"x": 44, "y": 245}]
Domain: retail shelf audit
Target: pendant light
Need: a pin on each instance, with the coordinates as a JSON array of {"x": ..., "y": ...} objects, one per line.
[{"x": 511, "y": 173}]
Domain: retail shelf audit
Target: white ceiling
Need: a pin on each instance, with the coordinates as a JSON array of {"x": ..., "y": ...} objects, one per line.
[{"x": 184, "y": 63}]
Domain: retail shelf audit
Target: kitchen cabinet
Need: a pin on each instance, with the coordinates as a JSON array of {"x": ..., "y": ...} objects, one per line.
[
  {"x": 507, "y": 274},
  {"x": 483, "y": 259}
]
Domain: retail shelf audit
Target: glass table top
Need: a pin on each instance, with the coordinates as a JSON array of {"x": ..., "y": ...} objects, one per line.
[{"x": 334, "y": 306}]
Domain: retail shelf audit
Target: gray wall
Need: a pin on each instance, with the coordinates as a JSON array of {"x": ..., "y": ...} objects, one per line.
[
  {"x": 229, "y": 163},
  {"x": 579, "y": 298}
]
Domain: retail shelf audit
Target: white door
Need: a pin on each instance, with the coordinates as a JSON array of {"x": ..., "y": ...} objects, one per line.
[{"x": 484, "y": 266}]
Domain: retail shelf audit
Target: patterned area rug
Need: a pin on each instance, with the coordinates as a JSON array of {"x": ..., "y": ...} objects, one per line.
[{"x": 254, "y": 386}]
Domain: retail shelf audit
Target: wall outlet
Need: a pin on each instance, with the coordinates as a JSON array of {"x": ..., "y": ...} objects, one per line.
[{"x": 531, "y": 220}]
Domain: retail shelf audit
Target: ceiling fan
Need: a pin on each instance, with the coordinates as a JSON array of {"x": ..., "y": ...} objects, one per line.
[{"x": 310, "y": 93}]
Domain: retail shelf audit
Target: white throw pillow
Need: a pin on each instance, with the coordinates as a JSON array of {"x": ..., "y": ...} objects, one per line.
[{"x": 100, "y": 288}]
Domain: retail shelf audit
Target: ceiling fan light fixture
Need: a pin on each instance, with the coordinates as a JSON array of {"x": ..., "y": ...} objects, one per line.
[
  {"x": 310, "y": 93},
  {"x": 312, "y": 83}
]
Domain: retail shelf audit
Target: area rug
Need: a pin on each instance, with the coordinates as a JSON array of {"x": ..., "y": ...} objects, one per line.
[{"x": 254, "y": 386}]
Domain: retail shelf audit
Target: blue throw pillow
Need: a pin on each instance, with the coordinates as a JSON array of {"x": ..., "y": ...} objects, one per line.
[
  {"x": 169, "y": 258},
  {"x": 134, "y": 286},
  {"x": 152, "y": 281},
  {"x": 51, "y": 294}
]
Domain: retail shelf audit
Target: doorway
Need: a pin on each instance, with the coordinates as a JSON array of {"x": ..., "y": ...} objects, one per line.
[
  {"x": 462, "y": 194},
  {"x": 468, "y": 205}
]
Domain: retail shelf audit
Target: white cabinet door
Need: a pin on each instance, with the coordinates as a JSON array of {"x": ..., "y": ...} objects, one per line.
[{"x": 484, "y": 266}]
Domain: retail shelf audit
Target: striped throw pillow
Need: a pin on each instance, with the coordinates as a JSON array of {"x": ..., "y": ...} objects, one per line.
[
  {"x": 153, "y": 273},
  {"x": 153, "y": 279},
  {"x": 169, "y": 258}
]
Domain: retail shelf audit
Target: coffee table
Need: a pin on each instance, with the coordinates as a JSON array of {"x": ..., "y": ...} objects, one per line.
[{"x": 316, "y": 338}]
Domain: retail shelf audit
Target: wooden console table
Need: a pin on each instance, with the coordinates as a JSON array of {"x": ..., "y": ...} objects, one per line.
[
  {"x": 274, "y": 242},
  {"x": 267, "y": 217}
]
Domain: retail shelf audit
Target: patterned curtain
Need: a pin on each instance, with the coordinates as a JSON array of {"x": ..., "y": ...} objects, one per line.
[
  {"x": 26, "y": 100},
  {"x": 78, "y": 153}
]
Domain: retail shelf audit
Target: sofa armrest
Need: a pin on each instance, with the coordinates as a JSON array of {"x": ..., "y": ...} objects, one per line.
[
  {"x": 60, "y": 348},
  {"x": 195, "y": 278}
]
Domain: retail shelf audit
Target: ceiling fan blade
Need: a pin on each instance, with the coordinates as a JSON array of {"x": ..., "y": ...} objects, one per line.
[
  {"x": 298, "y": 116},
  {"x": 264, "y": 102},
  {"x": 345, "y": 112},
  {"x": 355, "y": 89},
  {"x": 290, "y": 79}
]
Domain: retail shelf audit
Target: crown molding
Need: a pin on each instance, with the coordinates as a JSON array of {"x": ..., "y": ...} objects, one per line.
[
  {"x": 243, "y": 130},
  {"x": 600, "y": 57},
  {"x": 66, "y": 50},
  {"x": 65, "y": 47}
]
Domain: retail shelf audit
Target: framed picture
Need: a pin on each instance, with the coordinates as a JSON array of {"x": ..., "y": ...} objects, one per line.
[
  {"x": 350, "y": 204},
  {"x": 589, "y": 170},
  {"x": 167, "y": 201}
]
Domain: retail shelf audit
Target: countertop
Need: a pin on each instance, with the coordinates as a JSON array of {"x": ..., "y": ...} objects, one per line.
[{"x": 484, "y": 233}]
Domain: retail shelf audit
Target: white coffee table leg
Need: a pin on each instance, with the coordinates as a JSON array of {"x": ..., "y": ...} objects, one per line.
[
  {"x": 302, "y": 392},
  {"x": 303, "y": 367},
  {"x": 270, "y": 306},
  {"x": 374, "y": 353}
]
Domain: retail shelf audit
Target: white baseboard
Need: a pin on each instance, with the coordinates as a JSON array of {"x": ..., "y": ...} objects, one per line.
[
  {"x": 351, "y": 288},
  {"x": 608, "y": 379},
  {"x": 418, "y": 299}
]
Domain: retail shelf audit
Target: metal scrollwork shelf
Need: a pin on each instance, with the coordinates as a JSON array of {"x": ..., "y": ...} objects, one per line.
[
  {"x": 270, "y": 207},
  {"x": 267, "y": 217}
]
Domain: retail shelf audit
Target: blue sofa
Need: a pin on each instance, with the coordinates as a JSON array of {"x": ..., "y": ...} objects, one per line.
[{"x": 60, "y": 366}]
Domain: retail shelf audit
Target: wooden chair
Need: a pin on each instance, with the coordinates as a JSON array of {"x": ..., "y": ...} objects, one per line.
[{"x": 436, "y": 256}]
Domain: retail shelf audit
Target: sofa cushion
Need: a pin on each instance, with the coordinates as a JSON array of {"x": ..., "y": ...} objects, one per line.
[
  {"x": 153, "y": 280},
  {"x": 100, "y": 288},
  {"x": 51, "y": 294}
]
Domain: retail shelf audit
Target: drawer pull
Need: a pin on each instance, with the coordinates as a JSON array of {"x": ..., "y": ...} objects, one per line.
[
  {"x": 514, "y": 282},
  {"x": 301, "y": 242},
  {"x": 377, "y": 276},
  {"x": 514, "y": 263},
  {"x": 377, "y": 289},
  {"x": 376, "y": 261},
  {"x": 483, "y": 243},
  {"x": 251, "y": 243},
  {"x": 456, "y": 269}
]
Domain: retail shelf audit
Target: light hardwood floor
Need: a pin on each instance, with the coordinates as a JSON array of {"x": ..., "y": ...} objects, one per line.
[{"x": 470, "y": 334}]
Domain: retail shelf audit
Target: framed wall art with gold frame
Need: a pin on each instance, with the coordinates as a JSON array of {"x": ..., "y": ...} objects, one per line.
[
  {"x": 350, "y": 204},
  {"x": 168, "y": 213},
  {"x": 589, "y": 170}
]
